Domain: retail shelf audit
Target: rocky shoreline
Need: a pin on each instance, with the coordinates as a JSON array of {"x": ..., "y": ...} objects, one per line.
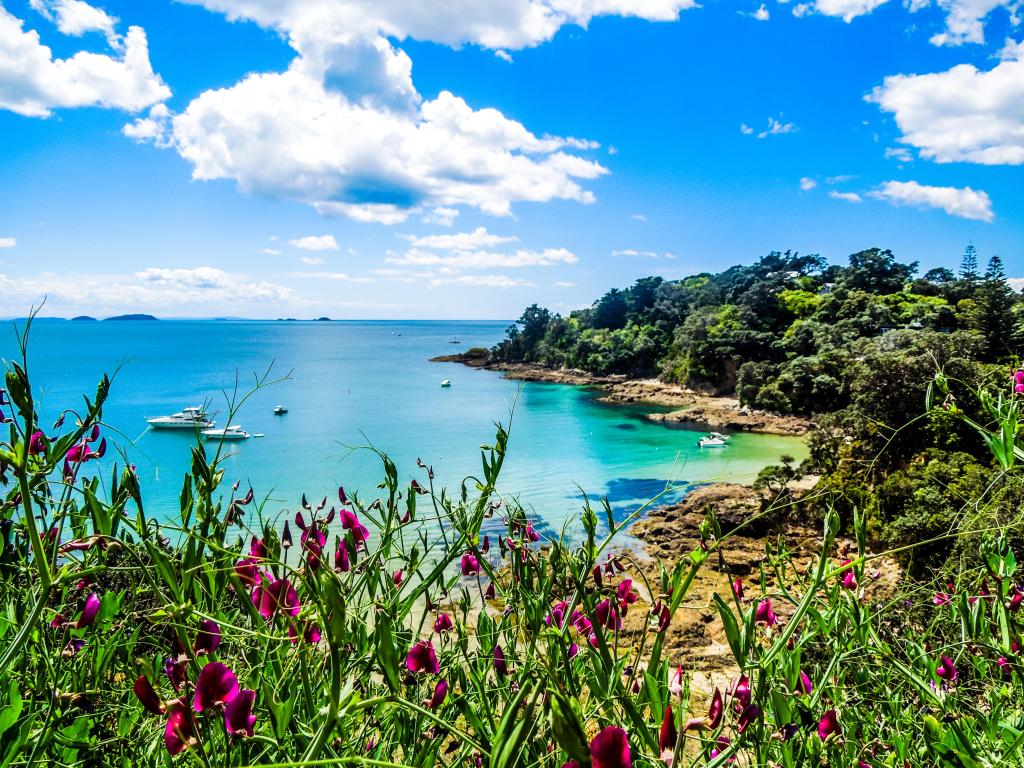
[{"x": 691, "y": 407}]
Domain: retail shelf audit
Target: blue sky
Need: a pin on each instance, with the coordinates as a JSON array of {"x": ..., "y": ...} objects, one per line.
[{"x": 461, "y": 159}]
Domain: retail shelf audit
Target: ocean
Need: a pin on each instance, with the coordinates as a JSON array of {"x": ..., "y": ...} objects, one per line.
[{"x": 354, "y": 384}]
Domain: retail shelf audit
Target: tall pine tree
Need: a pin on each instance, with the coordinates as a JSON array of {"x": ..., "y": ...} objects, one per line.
[
  {"x": 969, "y": 265},
  {"x": 995, "y": 317}
]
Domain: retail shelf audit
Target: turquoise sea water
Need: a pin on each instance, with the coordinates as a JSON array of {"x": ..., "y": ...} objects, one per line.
[{"x": 359, "y": 383}]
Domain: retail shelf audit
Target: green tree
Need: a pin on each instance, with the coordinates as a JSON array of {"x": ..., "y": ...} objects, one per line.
[
  {"x": 994, "y": 315},
  {"x": 969, "y": 265}
]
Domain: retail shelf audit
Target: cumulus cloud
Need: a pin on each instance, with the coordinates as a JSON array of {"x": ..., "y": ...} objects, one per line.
[
  {"x": 155, "y": 289},
  {"x": 762, "y": 13},
  {"x": 311, "y": 261},
  {"x": 479, "y": 259},
  {"x": 966, "y": 203},
  {"x": 443, "y": 217},
  {"x": 8, "y": 242},
  {"x": 964, "y": 19},
  {"x": 344, "y": 130},
  {"x": 850, "y": 197},
  {"x": 777, "y": 127},
  {"x": 315, "y": 243},
  {"x": 488, "y": 281},
  {"x": 33, "y": 83},
  {"x": 963, "y": 114},
  {"x": 478, "y": 238},
  {"x": 75, "y": 18},
  {"x": 807, "y": 183}
]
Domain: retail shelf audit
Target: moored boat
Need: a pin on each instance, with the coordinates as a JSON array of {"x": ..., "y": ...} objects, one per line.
[
  {"x": 193, "y": 417},
  {"x": 712, "y": 441},
  {"x": 233, "y": 432}
]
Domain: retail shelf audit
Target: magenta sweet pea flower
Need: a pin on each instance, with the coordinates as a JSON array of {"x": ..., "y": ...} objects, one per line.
[
  {"x": 1018, "y": 381},
  {"x": 737, "y": 588},
  {"x": 1005, "y": 668},
  {"x": 470, "y": 564},
  {"x": 180, "y": 731},
  {"x": 207, "y": 639},
  {"x": 443, "y": 623},
  {"x": 803, "y": 684},
  {"x": 37, "y": 444},
  {"x": 849, "y": 579},
  {"x": 941, "y": 598},
  {"x": 273, "y": 596},
  {"x": 610, "y": 749},
  {"x": 499, "y": 662},
  {"x": 715, "y": 710},
  {"x": 440, "y": 692},
  {"x": 174, "y": 668},
  {"x": 147, "y": 695},
  {"x": 349, "y": 521},
  {"x": 421, "y": 658},
  {"x": 341, "y": 561},
  {"x": 828, "y": 725},
  {"x": 92, "y": 607},
  {"x": 215, "y": 687},
  {"x": 741, "y": 692},
  {"x": 720, "y": 746},
  {"x": 668, "y": 734},
  {"x": 764, "y": 613},
  {"x": 247, "y": 570},
  {"x": 749, "y": 714},
  {"x": 607, "y": 615},
  {"x": 239, "y": 720},
  {"x": 490, "y": 593},
  {"x": 946, "y": 670}
]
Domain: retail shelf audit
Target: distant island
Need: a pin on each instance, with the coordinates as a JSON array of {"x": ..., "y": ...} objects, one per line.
[
  {"x": 83, "y": 318},
  {"x": 129, "y": 318}
]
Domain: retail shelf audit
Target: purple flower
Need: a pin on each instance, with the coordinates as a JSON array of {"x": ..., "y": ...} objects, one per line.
[
  {"x": 470, "y": 564},
  {"x": 741, "y": 692},
  {"x": 37, "y": 444},
  {"x": 737, "y": 588},
  {"x": 349, "y": 521},
  {"x": 247, "y": 570},
  {"x": 828, "y": 725},
  {"x": 215, "y": 687},
  {"x": 238, "y": 717},
  {"x": 803, "y": 684},
  {"x": 443, "y": 623},
  {"x": 715, "y": 710},
  {"x": 421, "y": 658},
  {"x": 207, "y": 639},
  {"x": 180, "y": 731},
  {"x": 92, "y": 607},
  {"x": 174, "y": 668},
  {"x": 849, "y": 578},
  {"x": 341, "y": 561},
  {"x": 499, "y": 662},
  {"x": 764, "y": 613},
  {"x": 271, "y": 596},
  {"x": 439, "y": 694},
  {"x": 946, "y": 670},
  {"x": 147, "y": 695},
  {"x": 610, "y": 749},
  {"x": 749, "y": 714},
  {"x": 607, "y": 615},
  {"x": 668, "y": 734},
  {"x": 490, "y": 593}
]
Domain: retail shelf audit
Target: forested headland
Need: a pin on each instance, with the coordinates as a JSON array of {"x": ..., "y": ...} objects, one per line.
[{"x": 854, "y": 347}]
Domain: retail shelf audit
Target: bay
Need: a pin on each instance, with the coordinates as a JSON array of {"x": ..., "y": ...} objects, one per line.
[{"x": 351, "y": 384}]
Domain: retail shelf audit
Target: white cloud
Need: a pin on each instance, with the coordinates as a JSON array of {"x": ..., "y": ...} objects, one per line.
[
  {"x": 745, "y": 129},
  {"x": 632, "y": 252},
  {"x": 478, "y": 238},
  {"x": 311, "y": 260},
  {"x": 504, "y": 55},
  {"x": 155, "y": 289},
  {"x": 762, "y": 13},
  {"x": 850, "y": 197},
  {"x": 272, "y": 251},
  {"x": 807, "y": 183},
  {"x": 479, "y": 259},
  {"x": 443, "y": 217},
  {"x": 1017, "y": 283},
  {"x": 961, "y": 115},
  {"x": 900, "y": 154},
  {"x": 776, "y": 127},
  {"x": 344, "y": 130},
  {"x": 336, "y": 276},
  {"x": 966, "y": 203},
  {"x": 564, "y": 284},
  {"x": 499, "y": 24},
  {"x": 8, "y": 242},
  {"x": 315, "y": 243},
  {"x": 638, "y": 217},
  {"x": 33, "y": 82},
  {"x": 965, "y": 19},
  {"x": 488, "y": 281},
  {"x": 75, "y": 18}
]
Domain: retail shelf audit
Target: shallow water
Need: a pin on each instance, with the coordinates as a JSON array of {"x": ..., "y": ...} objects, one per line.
[{"x": 353, "y": 384}]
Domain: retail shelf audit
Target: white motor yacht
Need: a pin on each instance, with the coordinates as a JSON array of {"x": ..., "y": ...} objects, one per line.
[
  {"x": 710, "y": 441},
  {"x": 233, "y": 432},
  {"x": 446, "y": 383},
  {"x": 193, "y": 417}
]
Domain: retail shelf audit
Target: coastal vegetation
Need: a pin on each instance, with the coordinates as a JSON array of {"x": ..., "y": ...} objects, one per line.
[
  {"x": 852, "y": 347},
  {"x": 413, "y": 626}
]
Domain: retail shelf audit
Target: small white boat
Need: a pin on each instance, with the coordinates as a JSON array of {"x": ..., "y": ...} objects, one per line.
[
  {"x": 193, "y": 417},
  {"x": 280, "y": 410},
  {"x": 711, "y": 442},
  {"x": 446, "y": 383},
  {"x": 234, "y": 432},
  {"x": 719, "y": 436}
]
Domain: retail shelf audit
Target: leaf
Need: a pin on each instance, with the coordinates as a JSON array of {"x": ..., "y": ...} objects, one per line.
[{"x": 732, "y": 630}]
